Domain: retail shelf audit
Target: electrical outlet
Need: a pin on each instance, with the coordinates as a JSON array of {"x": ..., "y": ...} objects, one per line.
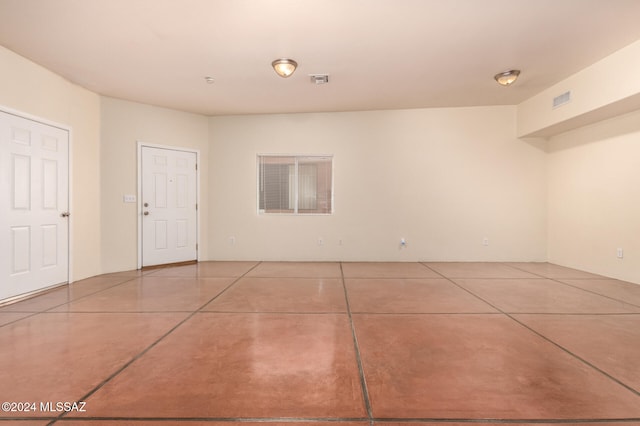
[
  {"x": 320, "y": 241},
  {"x": 485, "y": 241},
  {"x": 620, "y": 253},
  {"x": 232, "y": 241}
]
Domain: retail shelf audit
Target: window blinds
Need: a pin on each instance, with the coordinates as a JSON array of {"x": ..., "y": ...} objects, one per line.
[{"x": 295, "y": 184}]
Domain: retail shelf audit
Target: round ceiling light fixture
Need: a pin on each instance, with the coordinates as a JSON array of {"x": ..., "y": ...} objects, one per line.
[
  {"x": 284, "y": 67},
  {"x": 507, "y": 78}
]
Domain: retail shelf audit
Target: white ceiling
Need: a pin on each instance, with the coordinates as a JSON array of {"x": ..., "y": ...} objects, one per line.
[{"x": 380, "y": 54}]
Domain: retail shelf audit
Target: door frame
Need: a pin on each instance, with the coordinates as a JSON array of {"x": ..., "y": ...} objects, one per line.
[
  {"x": 69, "y": 130},
  {"x": 140, "y": 145}
]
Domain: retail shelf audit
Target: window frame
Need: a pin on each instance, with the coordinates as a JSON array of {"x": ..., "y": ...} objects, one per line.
[{"x": 296, "y": 158}]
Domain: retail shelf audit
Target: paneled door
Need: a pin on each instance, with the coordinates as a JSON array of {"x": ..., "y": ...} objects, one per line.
[
  {"x": 168, "y": 202},
  {"x": 34, "y": 207}
]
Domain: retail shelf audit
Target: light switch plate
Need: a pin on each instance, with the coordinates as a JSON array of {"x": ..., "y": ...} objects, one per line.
[{"x": 129, "y": 198}]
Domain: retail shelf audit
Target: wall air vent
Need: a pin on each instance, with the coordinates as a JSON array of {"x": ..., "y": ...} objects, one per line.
[{"x": 560, "y": 100}]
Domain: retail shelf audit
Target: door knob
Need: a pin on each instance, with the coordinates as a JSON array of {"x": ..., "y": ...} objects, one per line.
[
  {"x": 146, "y": 213},
  {"x": 65, "y": 214},
  {"x": 146, "y": 204}
]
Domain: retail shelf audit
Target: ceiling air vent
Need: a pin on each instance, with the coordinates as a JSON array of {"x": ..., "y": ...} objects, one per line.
[
  {"x": 319, "y": 78},
  {"x": 560, "y": 100}
]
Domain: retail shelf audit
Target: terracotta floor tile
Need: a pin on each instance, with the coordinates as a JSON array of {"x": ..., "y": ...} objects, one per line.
[
  {"x": 41, "y": 302},
  {"x": 127, "y": 274},
  {"x": 427, "y": 295},
  {"x": 151, "y": 293},
  {"x": 477, "y": 270},
  {"x": 24, "y": 423},
  {"x": 620, "y": 290},
  {"x": 205, "y": 270},
  {"x": 479, "y": 367},
  {"x": 295, "y": 363},
  {"x": 7, "y": 317},
  {"x": 489, "y": 423},
  {"x": 282, "y": 295},
  {"x": 610, "y": 342},
  {"x": 94, "y": 284},
  {"x": 387, "y": 270},
  {"x": 542, "y": 296},
  {"x": 287, "y": 422},
  {"x": 549, "y": 270},
  {"x": 297, "y": 270},
  {"x": 242, "y": 365},
  {"x": 64, "y": 294},
  {"x": 61, "y": 357}
]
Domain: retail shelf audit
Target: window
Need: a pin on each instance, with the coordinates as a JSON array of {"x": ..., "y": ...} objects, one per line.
[{"x": 295, "y": 184}]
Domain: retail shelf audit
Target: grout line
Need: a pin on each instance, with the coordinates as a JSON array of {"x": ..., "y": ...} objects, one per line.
[
  {"x": 506, "y": 421},
  {"x": 559, "y": 280},
  {"x": 379, "y": 278},
  {"x": 91, "y": 294},
  {"x": 227, "y": 288},
  {"x": 621, "y": 383},
  {"x": 510, "y": 316},
  {"x": 363, "y": 380},
  {"x": 556, "y": 278},
  {"x": 426, "y": 313},
  {"x": 541, "y": 277},
  {"x": 183, "y": 311},
  {"x": 286, "y": 277},
  {"x": 195, "y": 276},
  {"x": 575, "y": 314},
  {"x": 268, "y": 420},
  {"x": 152, "y": 345},
  {"x": 32, "y": 314},
  {"x": 502, "y": 278},
  {"x": 595, "y": 293},
  {"x": 100, "y": 291},
  {"x": 65, "y": 303},
  {"x": 277, "y": 312}
]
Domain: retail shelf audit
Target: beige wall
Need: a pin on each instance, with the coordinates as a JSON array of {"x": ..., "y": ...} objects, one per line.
[
  {"x": 125, "y": 123},
  {"x": 594, "y": 198},
  {"x": 441, "y": 178},
  {"x": 31, "y": 89}
]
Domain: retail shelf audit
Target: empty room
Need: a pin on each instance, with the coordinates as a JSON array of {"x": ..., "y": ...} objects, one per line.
[{"x": 322, "y": 213}]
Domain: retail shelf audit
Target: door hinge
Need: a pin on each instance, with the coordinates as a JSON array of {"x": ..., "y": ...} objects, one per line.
[
  {"x": 196, "y": 247},
  {"x": 196, "y": 206},
  {"x": 196, "y": 166}
]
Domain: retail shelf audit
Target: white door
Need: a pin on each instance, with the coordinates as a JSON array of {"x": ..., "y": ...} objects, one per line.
[
  {"x": 169, "y": 210},
  {"x": 34, "y": 195}
]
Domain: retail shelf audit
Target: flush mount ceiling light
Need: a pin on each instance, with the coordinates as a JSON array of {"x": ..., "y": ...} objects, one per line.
[
  {"x": 284, "y": 67},
  {"x": 507, "y": 78}
]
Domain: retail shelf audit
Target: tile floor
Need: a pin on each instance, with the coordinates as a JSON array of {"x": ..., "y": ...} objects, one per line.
[{"x": 265, "y": 343}]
